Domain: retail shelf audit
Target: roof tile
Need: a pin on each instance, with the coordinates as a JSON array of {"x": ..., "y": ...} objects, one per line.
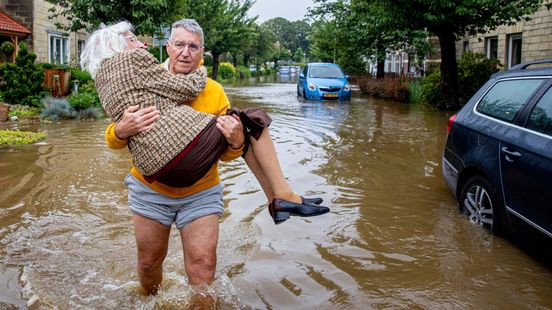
[{"x": 8, "y": 24}]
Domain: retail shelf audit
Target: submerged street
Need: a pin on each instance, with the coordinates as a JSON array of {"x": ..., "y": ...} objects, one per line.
[{"x": 394, "y": 237}]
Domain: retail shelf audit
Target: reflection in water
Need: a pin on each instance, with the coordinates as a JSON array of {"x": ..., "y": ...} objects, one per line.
[{"x": 394, "y": 238}]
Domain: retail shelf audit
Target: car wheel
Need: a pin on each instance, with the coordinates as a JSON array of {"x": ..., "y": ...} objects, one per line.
[
  {"x": 298, "y": 92},
  {"x": 304, "y": 94},
  {"x": 479, "y": 201}
]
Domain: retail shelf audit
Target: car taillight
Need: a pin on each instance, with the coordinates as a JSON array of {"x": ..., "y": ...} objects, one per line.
[{"x": 450, "y": 121}]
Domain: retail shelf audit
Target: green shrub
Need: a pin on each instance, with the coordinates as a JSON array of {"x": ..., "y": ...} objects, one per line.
[
  {"x": 24, "y": 111},
  {"x": 244, "y": 72},
  {"x": 10, "y": 137},
  {"x": 56, "y": 109},
  {"x": 227, "y": 71},
  {"x": 81, "y": 76},
  {"x": 415, "y": 91},
  {"x": 22, "y": 79},
  {"x": 432, "y": 88},
  {"x": 81, "y": 101},
  {"x": 474, "y": 69},
  {"x": 7, "y": 48}
]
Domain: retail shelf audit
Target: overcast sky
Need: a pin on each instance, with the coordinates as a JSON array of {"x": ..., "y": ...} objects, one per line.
[{"x": 289, "y": 9}]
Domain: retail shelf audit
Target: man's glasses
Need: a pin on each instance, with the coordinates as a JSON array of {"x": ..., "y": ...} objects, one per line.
[{"x": 180, "y": 46}]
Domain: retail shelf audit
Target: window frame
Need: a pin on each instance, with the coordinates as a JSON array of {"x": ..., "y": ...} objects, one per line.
[
  {"x": 488, "y": 46},
  {"x": 65, "y": 57},
  {"x": 511, "y": 38}
]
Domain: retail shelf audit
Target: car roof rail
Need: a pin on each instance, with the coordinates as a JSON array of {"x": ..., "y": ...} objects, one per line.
[{"x": 524, "y": 65}]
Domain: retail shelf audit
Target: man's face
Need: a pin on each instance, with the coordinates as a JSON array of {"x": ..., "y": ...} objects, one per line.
[{"x": 185, "y": 51}]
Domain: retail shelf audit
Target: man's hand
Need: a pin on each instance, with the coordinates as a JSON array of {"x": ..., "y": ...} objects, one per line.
[
  {"x": 232, "y": 129},
  {"x": 136, "y": 120}
]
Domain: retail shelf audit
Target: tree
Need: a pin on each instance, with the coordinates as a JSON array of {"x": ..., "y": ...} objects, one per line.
[
  {"x": 225, "y": 24},
  {"x": 361, "y": 35},
  {"x": 147, "y": 16},
  {"x": 450, "y": 20},
  {"x": 291, "y": 35}
]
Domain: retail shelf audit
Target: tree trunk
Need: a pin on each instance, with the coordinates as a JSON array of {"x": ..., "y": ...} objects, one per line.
[
  {"x": 449, "y": 71},
  {"x": 380, "y": 68},
  {"x": 216, "y": 60}
]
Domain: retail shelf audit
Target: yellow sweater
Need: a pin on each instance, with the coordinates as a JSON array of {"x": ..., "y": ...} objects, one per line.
[{"x": 211, "y": 100}]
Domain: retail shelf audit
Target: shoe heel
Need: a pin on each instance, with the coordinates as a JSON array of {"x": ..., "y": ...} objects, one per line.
[{"x": 280, "y": 217}]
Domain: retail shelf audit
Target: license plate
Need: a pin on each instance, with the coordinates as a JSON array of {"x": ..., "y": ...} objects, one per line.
[{"x": 331, "y": 95}]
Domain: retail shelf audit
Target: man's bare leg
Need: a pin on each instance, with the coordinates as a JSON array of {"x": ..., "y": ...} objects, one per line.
[
  {"x": 152, "y": 240},
  {"x": 199, "y": 241}
]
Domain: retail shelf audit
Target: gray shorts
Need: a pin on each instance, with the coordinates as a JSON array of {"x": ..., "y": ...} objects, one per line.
[{"x": 146, "y": 202}]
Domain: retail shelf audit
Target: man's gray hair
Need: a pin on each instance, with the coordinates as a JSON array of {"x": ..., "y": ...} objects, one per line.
[
  {"x": 189, "y": 25},
  {"x": 104, "y": 43}
]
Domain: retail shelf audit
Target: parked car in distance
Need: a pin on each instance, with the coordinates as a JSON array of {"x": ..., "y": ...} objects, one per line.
[
  {"x": 498, "y": 155},
  {"x": 323, "y": 81},
  {"x": 284, "y": 70}
]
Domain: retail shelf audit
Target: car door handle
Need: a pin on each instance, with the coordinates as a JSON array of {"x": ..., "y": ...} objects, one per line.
[{"x": 510, "y": 155}]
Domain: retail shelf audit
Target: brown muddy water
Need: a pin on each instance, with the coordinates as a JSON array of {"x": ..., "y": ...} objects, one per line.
[{"x": 394, "y": 237}]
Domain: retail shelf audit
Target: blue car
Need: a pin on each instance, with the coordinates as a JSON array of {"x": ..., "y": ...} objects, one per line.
[{"x": 323, "y": 81}]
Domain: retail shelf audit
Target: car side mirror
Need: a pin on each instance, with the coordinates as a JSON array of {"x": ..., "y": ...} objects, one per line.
[
  {"x": 301, "y": 75},
  {"x": 347, "y": 77}
]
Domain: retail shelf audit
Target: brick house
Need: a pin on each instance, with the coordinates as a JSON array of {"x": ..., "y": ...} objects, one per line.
[
  {"x": 511, "y": 45},
  {"x": 45, "y": 40}
]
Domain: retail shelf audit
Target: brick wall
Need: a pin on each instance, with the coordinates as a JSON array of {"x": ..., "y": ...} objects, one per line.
[
  {"x": 536, "y": 39},
  {"x": 43, "y": 28}
]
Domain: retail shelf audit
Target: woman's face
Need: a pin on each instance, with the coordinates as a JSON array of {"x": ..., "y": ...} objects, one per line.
[{"x": 132, "y": 41}]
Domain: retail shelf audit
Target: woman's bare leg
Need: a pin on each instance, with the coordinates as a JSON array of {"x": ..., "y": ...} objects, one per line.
[{"x": 263, "y": 162}]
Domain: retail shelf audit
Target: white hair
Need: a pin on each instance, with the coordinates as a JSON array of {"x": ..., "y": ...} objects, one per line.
[
  {"x": 189, "y": 25},
  {"x": 104, "y": 43}
]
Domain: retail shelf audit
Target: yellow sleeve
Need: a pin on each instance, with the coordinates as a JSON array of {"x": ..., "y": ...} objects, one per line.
[{"x": 111, "y": 139}]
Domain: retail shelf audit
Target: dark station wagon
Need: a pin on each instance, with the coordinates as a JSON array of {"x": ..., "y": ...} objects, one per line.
[{"x": 498, "y": 156}]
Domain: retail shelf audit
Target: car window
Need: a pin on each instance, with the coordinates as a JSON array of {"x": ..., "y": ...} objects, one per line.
[
  {"x": 541, "y": 117},
  {"x": 506, "y": 98},
  {"x": 305, "y": 71},
  {"x": 325, "y": 72}
]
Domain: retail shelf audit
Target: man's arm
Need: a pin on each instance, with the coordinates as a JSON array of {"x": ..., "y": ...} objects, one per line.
[{"x": 134, "y": 121}]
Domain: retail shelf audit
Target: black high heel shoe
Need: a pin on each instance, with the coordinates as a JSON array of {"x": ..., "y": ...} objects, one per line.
[
  {"x": 280, "y": 210},
  {"x": 311, "y": 201}
]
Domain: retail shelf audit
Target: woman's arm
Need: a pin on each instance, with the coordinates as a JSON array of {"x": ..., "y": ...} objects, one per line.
[{"x": 179, "y": 87}]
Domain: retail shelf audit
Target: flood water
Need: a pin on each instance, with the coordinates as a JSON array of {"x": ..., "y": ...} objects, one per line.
[{"x": 394, "y": 237}]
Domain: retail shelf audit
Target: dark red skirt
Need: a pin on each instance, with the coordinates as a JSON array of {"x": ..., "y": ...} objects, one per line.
[{"x": 190, "y": 165}]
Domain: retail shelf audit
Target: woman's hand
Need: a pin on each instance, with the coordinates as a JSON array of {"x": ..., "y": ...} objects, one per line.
[
  {"x": 136, "y": 120},
  {"x": 232, "y": 129}
]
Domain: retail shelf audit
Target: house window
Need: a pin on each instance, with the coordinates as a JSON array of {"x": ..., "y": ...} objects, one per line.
[
  {"x": 491, "y": 47},
  {"x": 514, "y": 49},
  {"x": 466, "y": 47},
  {"x": 58, "y": 48},
  {"x": 80, "y": 47}
]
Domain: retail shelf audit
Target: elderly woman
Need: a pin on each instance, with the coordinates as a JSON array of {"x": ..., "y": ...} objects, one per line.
[{"x": 184, "y": 143}]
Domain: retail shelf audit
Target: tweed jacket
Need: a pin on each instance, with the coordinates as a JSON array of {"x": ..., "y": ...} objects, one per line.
[{"x": 134, "y": 77}]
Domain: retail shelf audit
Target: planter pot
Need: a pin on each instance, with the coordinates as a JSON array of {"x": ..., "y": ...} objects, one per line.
[{"x": 57, "y": 81}]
